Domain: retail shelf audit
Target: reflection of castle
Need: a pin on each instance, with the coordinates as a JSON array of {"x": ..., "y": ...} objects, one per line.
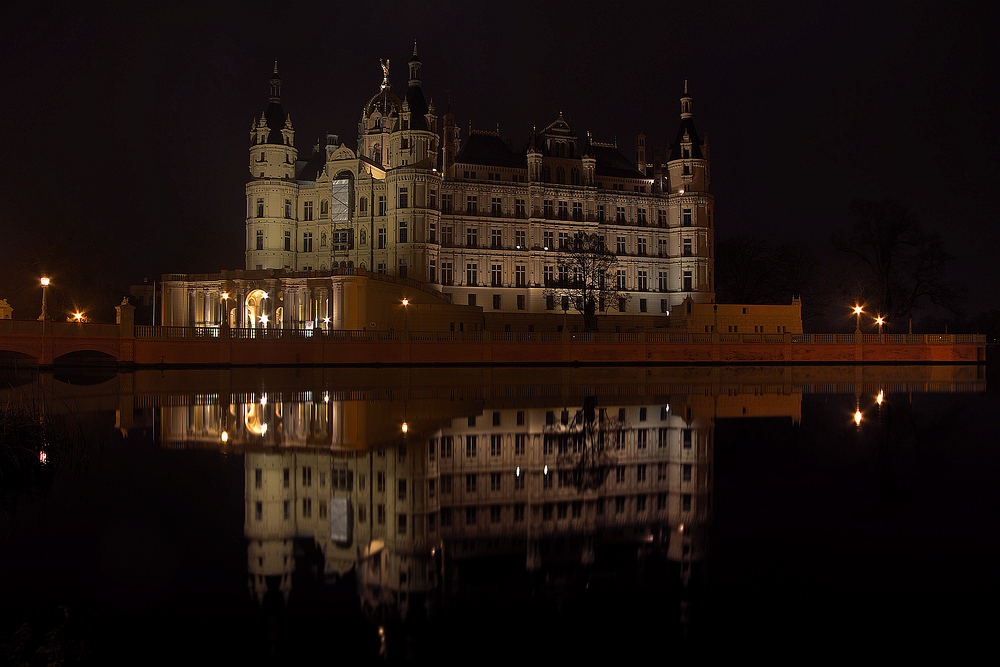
[{"x": 335, "y": 473}]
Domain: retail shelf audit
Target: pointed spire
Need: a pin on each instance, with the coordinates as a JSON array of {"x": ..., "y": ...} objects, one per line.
[
  {"x": 275, "y": 65},
  {"x": 686, "y": 111},
  {"x": 275, "y": 84}
]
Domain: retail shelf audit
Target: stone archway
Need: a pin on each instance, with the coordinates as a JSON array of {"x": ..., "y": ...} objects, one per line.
[{"x": 255, "y": 308}]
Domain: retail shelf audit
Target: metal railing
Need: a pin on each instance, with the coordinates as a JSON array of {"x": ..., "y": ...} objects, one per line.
[{"x": 648, "y": 336}]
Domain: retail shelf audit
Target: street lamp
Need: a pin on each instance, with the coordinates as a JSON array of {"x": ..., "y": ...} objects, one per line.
[
  {"x": 225, "y": 308},
  {"x": 406, "y": 302},
  {"x": 45, "y": 308},
  {"x": 880, "y": 320},
  {"x": 857, "y": 312}
]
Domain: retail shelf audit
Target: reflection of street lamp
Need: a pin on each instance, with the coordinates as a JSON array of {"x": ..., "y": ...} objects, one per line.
[
  {"x": 857, "y": 312},
  {"x": 45, "y": 307}
]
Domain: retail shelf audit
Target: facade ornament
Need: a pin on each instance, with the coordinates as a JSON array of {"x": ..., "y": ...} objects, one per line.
[{"x": 385, "y": 73}]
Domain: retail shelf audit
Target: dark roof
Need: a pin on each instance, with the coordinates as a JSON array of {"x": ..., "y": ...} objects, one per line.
[
  {"x": 687, "y": 125},
  {"x": 488, "y": 149},
  {"x": 275, "y": 117},
  {"x": 610, "y": 162},
  {"x": 418, "y": 107},
  {"x": 312, "y": 168}
]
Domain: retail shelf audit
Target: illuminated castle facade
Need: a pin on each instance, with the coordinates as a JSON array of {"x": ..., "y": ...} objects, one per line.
[{"x": 477, "y": 219}]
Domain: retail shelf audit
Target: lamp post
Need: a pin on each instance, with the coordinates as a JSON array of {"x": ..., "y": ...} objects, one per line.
[
  {"x": 45, "y": 308},
  {"x": 880, "y": 320},
  {"x": 857, "y": 312},
  {"x": 406, "y": 302},
  {"x": 225, "y": 309}
]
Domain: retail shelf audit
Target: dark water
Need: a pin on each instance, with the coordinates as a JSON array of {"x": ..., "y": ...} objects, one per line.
[{"x": 669, "y": 513}]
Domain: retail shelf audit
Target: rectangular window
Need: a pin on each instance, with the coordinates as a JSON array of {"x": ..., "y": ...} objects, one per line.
[
  {"x": 563, "y": 210},
  {"x": 620, "y": 245},
  {"x": 381, "y": 205},
  {"x": 687, "y": 438},
  {"x": 288, "y": 208},
  {"x": 447, "y": 273},
  {"x": 495, "y": 445},
  {"x": 686, "y": 472},
  {"x": 496, "y": 302},
  {"x": 258, "y": 478},
  {"x": 640, "y": 217},
  {"x": 260, "y": 207},
  {"x": 403, "y": 231},
  {"x": 547, "y": 208},
  {"x": 470, "y": 483},
  {"x": 496, "y": 276},
  {"x": 496, "y": 238},
  {"x": 548, "y": 242},
  {"x": 641, "y": 246},
  {"x": 446, "y": 202},
  {"x": 620, "y": 215},
  {"x": 401, "y": 523},
  {"x": 687, "y": 281},
  {"x": 640, "y": 280},
  {"x": 432, "y": 201},
  {"x": 401, "y": 489},
  {"x": 471, "y": 237},
  {"x": 383, "y": 237},
  {"x": 471, "y": 274},
  {"x": 520, "y": 211},
  {"x": 470, "y": 446},
  {"x": 520, "y": 273},
  {"x": 600, "y": 212},
  {"x": 307, "y": 211},
  {"x": 307, "y": 476},
  {"x": 470, "y": 204},
  {"x": 380, "y": 514},
  {"x": 661, "y": 217},
  {"x": 577, "y": 211},
  {"x": 495, "y": 208},
  {"x": 307, "y": 508},
  {"x": 519, "y": 439},
  {"x": 260, "y": 240},
  {"x": 519, "y": 241},
  {"x": 640, "y": 473},
  {"x": 687, "y": 217}
]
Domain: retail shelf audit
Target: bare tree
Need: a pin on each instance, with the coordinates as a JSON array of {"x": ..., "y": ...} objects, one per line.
[
  {"x": 895, "y": 265},
  {"x": 586, "y": 279}
]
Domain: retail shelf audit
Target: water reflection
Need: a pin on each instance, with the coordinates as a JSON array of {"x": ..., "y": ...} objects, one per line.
[{"x": 510, "y": 496}]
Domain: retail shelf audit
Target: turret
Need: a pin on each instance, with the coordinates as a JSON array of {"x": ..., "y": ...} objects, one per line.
[{"x": 272, "y": 138}]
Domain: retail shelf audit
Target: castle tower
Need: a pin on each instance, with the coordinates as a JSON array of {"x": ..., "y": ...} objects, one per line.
[
  {"x": 691, "y": 209},
  {"x": 271, "y": 192}
]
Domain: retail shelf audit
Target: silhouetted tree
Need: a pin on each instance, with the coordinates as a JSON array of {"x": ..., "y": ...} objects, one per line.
[
  {"x": 893, "y": 265},
  {"x": 586, "y": 279}
]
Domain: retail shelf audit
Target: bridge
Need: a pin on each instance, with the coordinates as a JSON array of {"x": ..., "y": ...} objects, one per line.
[{"x": 52, "y": 343}]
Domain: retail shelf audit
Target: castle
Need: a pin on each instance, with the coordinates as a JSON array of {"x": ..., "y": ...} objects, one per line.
[{"x": 474, "y": 222}]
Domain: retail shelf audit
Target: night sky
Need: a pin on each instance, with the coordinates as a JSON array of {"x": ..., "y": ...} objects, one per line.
[{"x": 126, "y": 127}]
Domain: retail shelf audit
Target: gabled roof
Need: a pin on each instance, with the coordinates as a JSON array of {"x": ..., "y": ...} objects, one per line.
[
  {"x": 312, "y": 168},
  {"x": 488, "y": 149},
  {"x": 610, "y": 162}
]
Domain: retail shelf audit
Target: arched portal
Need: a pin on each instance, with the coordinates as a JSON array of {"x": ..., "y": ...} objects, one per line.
[{"x": 255, "y": 308}]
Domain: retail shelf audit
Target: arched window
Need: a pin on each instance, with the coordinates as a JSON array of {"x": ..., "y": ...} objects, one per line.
[
  {"x": 363, "y": 205},
  {"x": 324, "y": 208},
  {"x": 560, "y": 174},
  {"x": 546, "y": 174},
  {"x": 377, "y": 153},
  {"x": 574, "y": 176}
]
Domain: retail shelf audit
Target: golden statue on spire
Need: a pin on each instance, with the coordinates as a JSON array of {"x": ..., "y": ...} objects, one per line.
[{"x": 385, "y": 73}]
